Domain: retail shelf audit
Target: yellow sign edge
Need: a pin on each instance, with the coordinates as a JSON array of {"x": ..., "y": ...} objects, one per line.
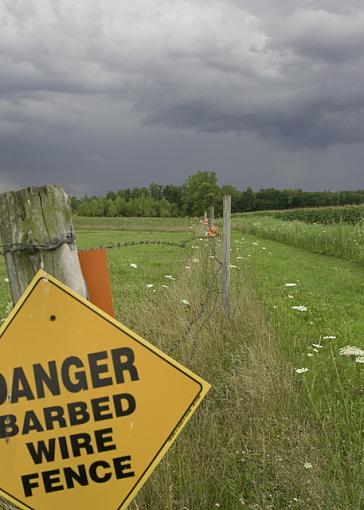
[{"x": 205, "y": 386}]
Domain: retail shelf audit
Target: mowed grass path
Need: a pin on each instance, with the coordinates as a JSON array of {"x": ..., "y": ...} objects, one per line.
[{"x": 331, "y": 391}]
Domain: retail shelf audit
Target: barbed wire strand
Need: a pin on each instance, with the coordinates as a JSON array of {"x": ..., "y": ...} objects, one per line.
[
  {"x": 202, "y": 310},
  {"x": 32, "y": 247},
  {"x": 69, "y": 238}
]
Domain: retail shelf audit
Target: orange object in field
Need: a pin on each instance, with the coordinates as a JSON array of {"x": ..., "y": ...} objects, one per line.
[
  {"x": 212, "y": 231},
  {"x": 95, "y": 271}
]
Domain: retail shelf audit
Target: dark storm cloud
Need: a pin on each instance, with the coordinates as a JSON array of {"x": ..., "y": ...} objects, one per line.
[
  {"x": 312, "y": 124},
  {"x": 82, "y": 83}
]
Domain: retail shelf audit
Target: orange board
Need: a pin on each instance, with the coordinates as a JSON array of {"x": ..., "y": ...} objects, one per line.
[{"x": 95, "y": 271}]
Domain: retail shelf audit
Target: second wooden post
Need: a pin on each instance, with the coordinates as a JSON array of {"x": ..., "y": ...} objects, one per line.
[{"x": 226, "y": 241}]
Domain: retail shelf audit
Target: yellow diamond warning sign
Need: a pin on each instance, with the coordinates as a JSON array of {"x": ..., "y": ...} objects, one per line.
[{"x": 87, "y": 407}]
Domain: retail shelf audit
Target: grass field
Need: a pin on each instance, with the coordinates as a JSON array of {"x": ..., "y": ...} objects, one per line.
[
  {"x": 143, "y": 224},
  {"x": 267, "y": 437}
]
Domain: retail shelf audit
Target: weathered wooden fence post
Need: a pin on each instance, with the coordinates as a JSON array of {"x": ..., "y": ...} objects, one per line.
[
  {"x": 212, "y": 216},
  {"x": 37, "y": 233},
  {"x": 226, "y": 241}
]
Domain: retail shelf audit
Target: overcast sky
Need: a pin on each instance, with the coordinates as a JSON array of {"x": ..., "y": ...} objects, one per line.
[{"x": 105, "y": 94}]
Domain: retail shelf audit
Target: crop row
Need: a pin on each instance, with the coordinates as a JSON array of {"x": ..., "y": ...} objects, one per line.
[
  {"x": 351, "y": 214},
  {"x": 339, "y": 240}
]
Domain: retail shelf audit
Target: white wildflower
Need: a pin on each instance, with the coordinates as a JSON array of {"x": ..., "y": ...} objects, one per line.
[
  {"x": 299, "y": 308},
  {"x": 318, "y": 346},
  {"x": 185, "y": 301},
  {"x": 255, "y": 244},
  {"x": 359, "y": 359},
  {"x": 316, "y": 350},
  {"x": 264, "y": 248},
  {"x": 169, "y": 277},
  {"x": 351, "y": 350},
  {"x": 310, "y": 355},
  {"x": 239, "y": 258},
  {"x": 290, "y": 296},
  {"x": 232, "y": 265},
  {"x": 164, "y": 286},
  {"x": 187, "y": 267},
  {"x": 134, "y": 266},
  {"x": 6, "y": 280},
  {"x": 195, "y": 261},
  {"x": 290, "y": 284},
  {"x": 150, "y": 285},
  {"x": 330, "y": 337},
  {"x": 308, "y": 465},
  {"x": 301, "y": 370}
]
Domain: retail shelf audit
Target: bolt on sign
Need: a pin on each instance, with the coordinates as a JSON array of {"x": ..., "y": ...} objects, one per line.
[{"x": 87, "y": 407}]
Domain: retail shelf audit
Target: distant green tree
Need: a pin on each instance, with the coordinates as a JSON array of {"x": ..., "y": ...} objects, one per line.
[
  {"x": 75, "y": 203},
  {"x": 246, "y": 200},
  {"x": 174, "y": 195},
  {"x": 155, "y": 191},
  {"x": 200, "y": 192},
  {"x": 111, "y": 209},
  {"x": 121, "y": 206}
]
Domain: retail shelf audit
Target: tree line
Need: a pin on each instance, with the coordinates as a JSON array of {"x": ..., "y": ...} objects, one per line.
[{"x": 201, "y": 191}]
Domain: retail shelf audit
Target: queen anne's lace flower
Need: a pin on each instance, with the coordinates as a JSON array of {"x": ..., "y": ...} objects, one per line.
[
  {"x": 351, "y": 350},
  {"x": 299, "y": 308}
]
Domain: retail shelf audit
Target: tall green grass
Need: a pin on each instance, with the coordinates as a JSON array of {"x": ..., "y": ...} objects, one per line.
[{"x": 338, "y": 240}]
